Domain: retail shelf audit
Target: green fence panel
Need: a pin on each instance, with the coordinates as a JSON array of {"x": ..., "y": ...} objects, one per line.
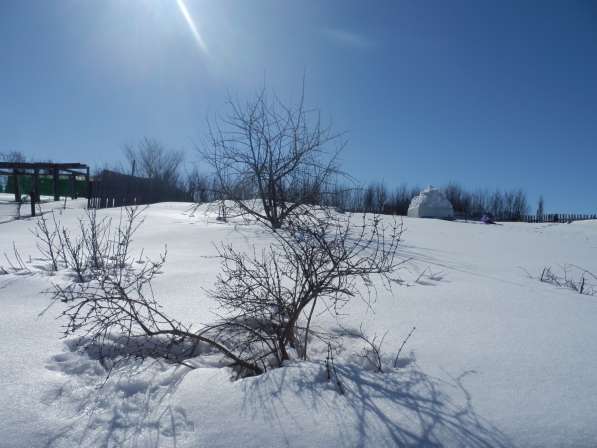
[{"x": 46, "y": 186}]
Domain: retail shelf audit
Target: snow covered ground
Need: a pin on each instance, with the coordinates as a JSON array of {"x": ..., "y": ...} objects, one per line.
[
  {"x": 497, "y": 358},
  {"x": 11, "y": 210}
]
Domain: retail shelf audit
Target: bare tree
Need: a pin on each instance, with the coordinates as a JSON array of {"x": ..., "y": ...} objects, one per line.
[
  {"x": 368, "y": 199},
  {"x": 520, "y": 204},
  {"x": 149, "y": 158},
  {"x": 269, "y": 158},
  {"x": 540, "y": 208},
  {"x": 458, "y": 197},
  {"x": 496, "y": 203},
  {"x": 200, "y": 186},
  {"x": 16, "y": 157},
  {"x": 13, "y": 156},
  {"x": 400, "y": 199},
  {"x": 479, "y": 204}
]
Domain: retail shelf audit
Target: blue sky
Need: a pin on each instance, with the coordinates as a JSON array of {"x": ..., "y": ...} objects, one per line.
[{"x": 491, "y": 94}]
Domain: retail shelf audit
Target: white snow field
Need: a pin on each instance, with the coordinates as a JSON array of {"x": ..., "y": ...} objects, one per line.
[{"x": 498, "y": 359}]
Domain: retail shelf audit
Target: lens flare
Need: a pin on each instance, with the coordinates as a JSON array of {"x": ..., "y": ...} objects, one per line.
[{"x": 192, "y": 26}]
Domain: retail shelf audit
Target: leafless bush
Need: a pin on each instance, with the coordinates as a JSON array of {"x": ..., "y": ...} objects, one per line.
[
  {"x": 267, "y": 299},
  {"x": 73, "y": 253},
  {"x": 572, "y": 277},
  {"x": 270, "y": 296},
  {"x": 46, "y": 240},
  {"x": 95, "y": 234},
  {"x": 16, "y": 264},
  {"x": 64, "y": 249},
  {"x": 112, "y": 300},
  {"x": 373, "y": 350}
]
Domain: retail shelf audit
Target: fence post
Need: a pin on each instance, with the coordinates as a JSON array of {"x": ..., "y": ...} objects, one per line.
[
  {"x": 55, "y": 184},
  {"x": 15, "y": 175},
  {"x": 73, "y": 187},
  {"x": 89, "y": 187},
  {"x": 32, "y": 197},
  {"x": 36, "y": 184}
]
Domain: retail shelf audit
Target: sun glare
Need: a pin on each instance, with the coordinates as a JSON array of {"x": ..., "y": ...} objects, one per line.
[{"x": 185, "y": 12}]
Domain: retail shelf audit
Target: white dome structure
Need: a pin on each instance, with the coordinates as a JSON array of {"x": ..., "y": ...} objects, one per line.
[{"x": 430, "y": 203}]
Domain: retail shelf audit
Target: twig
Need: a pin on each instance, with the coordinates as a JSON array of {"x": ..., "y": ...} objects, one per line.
[
  {"x": 403, "y": 344},
  {"x": 331, "y": 369}
]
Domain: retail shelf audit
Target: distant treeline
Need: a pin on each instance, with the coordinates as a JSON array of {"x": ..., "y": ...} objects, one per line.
[{"x": 378, "y": 198}]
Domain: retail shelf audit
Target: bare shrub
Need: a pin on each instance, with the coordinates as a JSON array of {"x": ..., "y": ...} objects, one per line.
[
  {"x": 64, "y": 249},
  {"x": 112, "y": 301},
  {"x": 372, "y": 352},
  {"x": 46, "y": 240},
  {"x": 16, "y": 265},
  {"x": 270, "y": 296},
  {"x": 95, "y": 234},
  {"x": 572, "y": 277},
  {"x": 267, "y": 299}
]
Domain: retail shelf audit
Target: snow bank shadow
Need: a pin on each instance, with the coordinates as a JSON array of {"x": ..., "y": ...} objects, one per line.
[
  {"x": 129, "y": 407},
  {"x": 404, "y": 408}
]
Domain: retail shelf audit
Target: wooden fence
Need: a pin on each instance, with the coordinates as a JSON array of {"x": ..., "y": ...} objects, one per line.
[
  {"x": 547, "y": 217},
  {"x": 111, "y": 189},
  {"x": 551, "y": 217}
]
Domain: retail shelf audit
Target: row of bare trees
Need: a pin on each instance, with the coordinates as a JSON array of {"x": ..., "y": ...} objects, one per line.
[
  {"x": 13, "y": 156},
  {"x": 377, "y": 198},
  {"x": 152, "y": 160}
]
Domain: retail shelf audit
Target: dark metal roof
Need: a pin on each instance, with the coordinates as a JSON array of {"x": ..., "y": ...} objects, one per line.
[
  {"x": 42, "y": 165},
  {"x": 8, "y": 168}
]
